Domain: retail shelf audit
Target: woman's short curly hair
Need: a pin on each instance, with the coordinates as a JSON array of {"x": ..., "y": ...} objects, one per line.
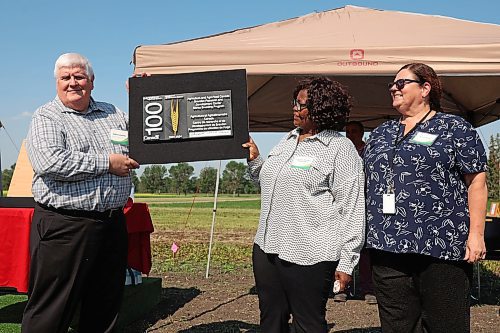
[{"x": 328, "y": 102}]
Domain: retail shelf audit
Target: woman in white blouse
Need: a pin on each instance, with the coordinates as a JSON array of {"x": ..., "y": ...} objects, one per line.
[{"x": 312, "y": 218}]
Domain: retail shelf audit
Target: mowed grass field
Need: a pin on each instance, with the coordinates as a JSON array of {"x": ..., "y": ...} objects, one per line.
[
  {"x": 180, "y": 213},
  {"x": 186, "y": 220}
]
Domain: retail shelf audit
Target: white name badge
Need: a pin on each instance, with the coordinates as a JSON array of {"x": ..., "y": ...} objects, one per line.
[
  {"x": 389, "y": 203},
  {"x": 422, "y": 138},
  {"x": 119, "y": 137},
  {"x": 302, "y": 162}
]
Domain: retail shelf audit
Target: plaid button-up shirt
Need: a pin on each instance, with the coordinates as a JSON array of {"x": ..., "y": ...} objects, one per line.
[{"x": 69, "y": 152}]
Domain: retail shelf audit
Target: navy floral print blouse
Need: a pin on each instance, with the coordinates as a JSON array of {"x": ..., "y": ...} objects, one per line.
[{"x": 426, "y": 170}]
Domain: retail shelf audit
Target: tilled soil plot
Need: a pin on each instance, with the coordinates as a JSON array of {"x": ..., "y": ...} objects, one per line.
[{"x": 227, "y": 303}]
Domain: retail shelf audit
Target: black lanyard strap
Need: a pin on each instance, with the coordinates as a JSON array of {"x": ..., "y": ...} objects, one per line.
[{"x": 397, "y": 142}]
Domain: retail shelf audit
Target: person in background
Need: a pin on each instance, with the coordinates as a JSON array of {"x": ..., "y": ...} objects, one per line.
[
  {"x": 355, "y": 132},
  {"x": 312, "y": 219},
  {"x": 78, "y": 243},
  {"x": 426, "y": 205}
]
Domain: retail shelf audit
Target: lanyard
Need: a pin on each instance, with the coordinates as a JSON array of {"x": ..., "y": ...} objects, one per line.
[{"x": 396, "y": 144}]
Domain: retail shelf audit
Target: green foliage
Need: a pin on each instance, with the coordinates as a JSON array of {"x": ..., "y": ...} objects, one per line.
[
  {"x": 251, "y": 188},
  {"x": 181, "y": 174},
  {"x": 234, "y": 178},
  {"x": 153, "y": 179},
  {"x": 179, "y": 179},
  {"x": 7, "y": 177},
  {"x": 193, "y": 185},
  {"x": 493, "y": 181},
  {"x": 135, "y": 180},
  {"x": 207, "y": 180}
]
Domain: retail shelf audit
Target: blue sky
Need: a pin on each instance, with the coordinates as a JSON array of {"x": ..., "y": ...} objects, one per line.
[{"x": 34, "y": 33}]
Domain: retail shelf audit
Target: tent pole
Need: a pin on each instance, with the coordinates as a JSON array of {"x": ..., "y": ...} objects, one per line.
[{"x": 213, "y": 219}]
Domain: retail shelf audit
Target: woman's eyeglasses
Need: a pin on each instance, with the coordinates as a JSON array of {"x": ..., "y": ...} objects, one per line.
[
  {"x": 297, "y": 106},
  {"x": 401, "y": 83}
]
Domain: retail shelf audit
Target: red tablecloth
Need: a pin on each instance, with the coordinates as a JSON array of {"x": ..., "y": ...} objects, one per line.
[
  {"x": 15, "y": 224},
  {"x": 139, "y": 226}
]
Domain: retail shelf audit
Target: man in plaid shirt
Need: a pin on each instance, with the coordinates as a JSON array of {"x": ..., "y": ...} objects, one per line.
[{"x": 78, "y": 148}]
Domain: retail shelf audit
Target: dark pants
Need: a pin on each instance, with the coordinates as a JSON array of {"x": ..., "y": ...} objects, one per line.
[
  {"x": 286, "y": 289},
  {"x": 365, "y": 272},
  {"x": 75, "y": 260},
  {"x": 419, "y": 293}
]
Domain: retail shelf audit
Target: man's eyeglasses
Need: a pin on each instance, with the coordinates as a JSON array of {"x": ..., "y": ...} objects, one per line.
[
  {"x": 401, "y": 83},
  {"x": 297, "y": 106}
]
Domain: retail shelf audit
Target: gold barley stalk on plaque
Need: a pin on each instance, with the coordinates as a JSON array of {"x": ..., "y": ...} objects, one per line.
[{"x": 174, "y": 115}]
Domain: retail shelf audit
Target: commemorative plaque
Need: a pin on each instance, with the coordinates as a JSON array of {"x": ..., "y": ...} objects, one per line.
[{"x": 188, "y": 117}]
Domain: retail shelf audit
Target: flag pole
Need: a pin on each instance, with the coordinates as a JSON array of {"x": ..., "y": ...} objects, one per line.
[{"x": 213, "y": 219}]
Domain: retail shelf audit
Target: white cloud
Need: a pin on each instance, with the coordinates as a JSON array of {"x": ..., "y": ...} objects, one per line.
[{"x": 24, "y": 114}]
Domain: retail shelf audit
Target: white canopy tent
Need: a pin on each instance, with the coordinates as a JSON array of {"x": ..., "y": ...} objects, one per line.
[{"x": 360, "y": 47}]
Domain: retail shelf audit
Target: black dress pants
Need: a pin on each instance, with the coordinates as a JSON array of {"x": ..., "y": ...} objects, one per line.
[
  {"x": 419, "y": 293},
  {"x": 75, "y": 260},
  {"x": 286, "y": 289}
]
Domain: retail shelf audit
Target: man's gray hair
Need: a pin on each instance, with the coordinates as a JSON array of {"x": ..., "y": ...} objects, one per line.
[{"x": 73, "y": 60}]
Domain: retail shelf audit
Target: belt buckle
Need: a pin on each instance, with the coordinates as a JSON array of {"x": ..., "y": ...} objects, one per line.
[{"x": 113, "y": 211}]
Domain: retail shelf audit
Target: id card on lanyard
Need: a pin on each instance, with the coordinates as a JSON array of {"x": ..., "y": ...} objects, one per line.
[
  {"x": 389, "y": 203},
  {"x": 389, "y": 198}
]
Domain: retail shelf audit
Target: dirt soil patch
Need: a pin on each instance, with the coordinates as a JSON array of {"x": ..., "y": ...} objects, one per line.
[{"x": 227, "y": 302}]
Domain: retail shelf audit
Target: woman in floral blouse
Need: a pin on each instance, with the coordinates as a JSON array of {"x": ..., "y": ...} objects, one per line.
[{"x": 426, "y": 205}]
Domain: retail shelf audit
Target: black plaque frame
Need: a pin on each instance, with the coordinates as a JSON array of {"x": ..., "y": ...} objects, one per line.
[{"x": 199, "y": 149}]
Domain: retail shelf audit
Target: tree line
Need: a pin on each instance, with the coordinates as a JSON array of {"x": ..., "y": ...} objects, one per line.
[
  {"x": 180, "y": 179},
  {"x": 7, "y": 177},
  {"x": 493, "y": 179},
  {"x": 235, "y": 179}
]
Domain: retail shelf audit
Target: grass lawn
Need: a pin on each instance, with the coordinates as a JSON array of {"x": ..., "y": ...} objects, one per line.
[
  {"x": 11, "y": 311},
  {"x": 178, "y": 217},
  {"x": 186, "y": 222}
]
